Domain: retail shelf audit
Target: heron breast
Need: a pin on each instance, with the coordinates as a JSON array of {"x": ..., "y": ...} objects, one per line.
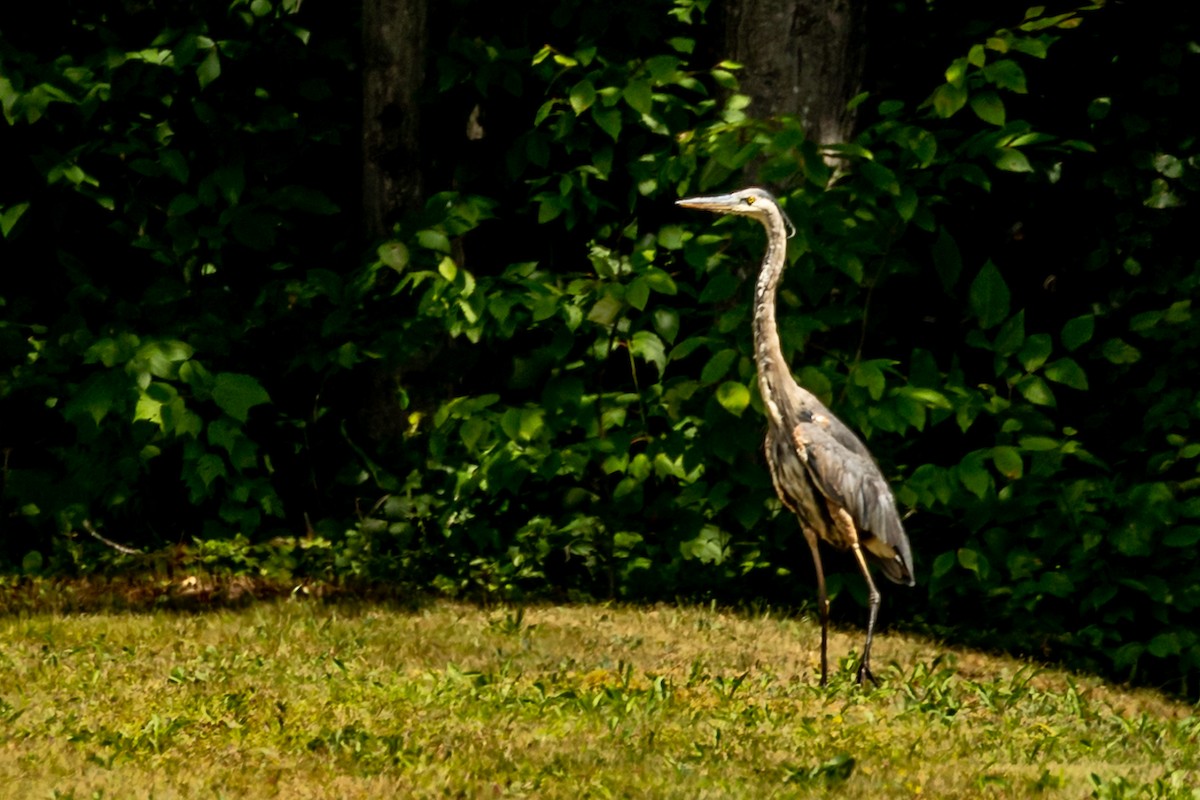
[{"x": 795, "y": 487}]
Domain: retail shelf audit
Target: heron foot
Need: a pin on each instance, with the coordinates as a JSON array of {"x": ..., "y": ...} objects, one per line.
[{"x": 864, "y": 671}]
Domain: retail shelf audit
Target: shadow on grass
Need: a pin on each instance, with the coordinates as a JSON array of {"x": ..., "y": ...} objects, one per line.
[{"x": 195, "y": 593}]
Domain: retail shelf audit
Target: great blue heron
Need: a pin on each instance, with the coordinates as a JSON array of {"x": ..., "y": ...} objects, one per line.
[{"x": 821, "y": 470}]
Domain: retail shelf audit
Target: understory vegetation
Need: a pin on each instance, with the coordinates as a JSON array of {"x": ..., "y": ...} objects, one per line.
[
  {"x": 541, "y": 384},
  {"x": 306, "y": 699}
]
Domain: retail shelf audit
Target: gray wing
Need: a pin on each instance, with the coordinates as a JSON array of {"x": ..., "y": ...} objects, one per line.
[
  {"x": 850, "y": 478},
  {"x": 804, "y": 404}
]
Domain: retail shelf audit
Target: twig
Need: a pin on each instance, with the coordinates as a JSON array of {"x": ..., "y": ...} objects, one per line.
[{"x": 120, "y": 548}]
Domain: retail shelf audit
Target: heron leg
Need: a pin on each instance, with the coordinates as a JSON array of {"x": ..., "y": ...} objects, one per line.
[
  {"x": 843, "y": 521},
  {"x": 822, "y": 603},
  {"x": 864, "y": 669}
]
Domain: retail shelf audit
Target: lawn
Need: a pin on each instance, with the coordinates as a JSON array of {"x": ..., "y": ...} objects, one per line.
[{"x": 307, "y": 699}]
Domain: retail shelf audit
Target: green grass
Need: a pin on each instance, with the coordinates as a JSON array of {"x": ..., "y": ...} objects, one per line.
[{"x": 303, "y": 699}]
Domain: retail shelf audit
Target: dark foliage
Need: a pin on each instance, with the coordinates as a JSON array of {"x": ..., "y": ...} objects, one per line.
[{"x": 543, "y": 382}]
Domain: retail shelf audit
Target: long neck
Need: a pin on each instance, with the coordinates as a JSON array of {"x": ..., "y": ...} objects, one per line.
[{"x": 773, "y": 373}]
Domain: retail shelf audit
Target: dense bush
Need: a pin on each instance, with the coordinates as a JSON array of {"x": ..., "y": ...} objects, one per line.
[{"x": 543, "y": 382}]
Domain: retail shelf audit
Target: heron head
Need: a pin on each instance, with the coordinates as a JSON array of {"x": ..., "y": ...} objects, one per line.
[{"x": 752, "y": 202}]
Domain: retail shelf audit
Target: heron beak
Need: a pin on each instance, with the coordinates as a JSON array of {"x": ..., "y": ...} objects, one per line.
[{"x": 719, "y": 204}]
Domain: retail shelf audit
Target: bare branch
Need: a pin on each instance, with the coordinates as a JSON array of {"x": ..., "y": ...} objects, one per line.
[{"x": 120, "y": 548}]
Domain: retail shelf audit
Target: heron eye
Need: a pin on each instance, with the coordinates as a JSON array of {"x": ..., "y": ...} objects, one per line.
[{"x": 750, "y": 201}]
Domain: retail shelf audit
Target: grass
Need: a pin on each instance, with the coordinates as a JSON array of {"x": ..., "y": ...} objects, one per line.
[{"x": 306, "y": 699}]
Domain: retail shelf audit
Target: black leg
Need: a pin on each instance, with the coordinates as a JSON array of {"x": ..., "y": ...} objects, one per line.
[
  {"x": 822, "y": 604},
  {"x": 864, "y": 668}
]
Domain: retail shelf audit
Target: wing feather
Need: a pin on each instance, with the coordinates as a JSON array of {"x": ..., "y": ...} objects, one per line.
[{"x": 849, "y": 477}]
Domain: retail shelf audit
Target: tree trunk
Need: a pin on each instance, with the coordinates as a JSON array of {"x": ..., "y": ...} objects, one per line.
[
  {"x": 802, "y": 58},
  {"x": 394, "y": 36}
]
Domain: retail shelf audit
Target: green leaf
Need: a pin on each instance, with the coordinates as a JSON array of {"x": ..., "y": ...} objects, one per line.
[
  {"x": 1008, "y": 462},
  {"x": 394, "y": 255},
  {"x": 209, "y": 69},
  {"x": 973, "y": 476},
  {"x": 97, "y": 396},
  {"x": 670, "y": 237},
  {"x": 889, "y": 108},
  {"x": 174, "y": 165},
  {"x": 725, "y": 79},
  {"x": 605, "y": 310},
  {"x": 660, "y": 281},
  {"x": 734, "y": 397},
  {"x": 948, "y": 100},
  {"x": 1011, "y": 335},
  {"x": 522, "y": 424},
  {"x": 1068, "y": 373},
  {"x": 433, "y": 240},
  {"x": 582, "y": 95},
  {"x": 907, "y": 203},
  {"x": 718, "y": 366},
  {"x": 708, "y": 547},
  {"x": 1039, "y": 444},
  {"x": 722, "y": 286},
  {"x": 10, "y": 216},
  {"x": 544, "y": 111},
  {"x": 609, "y": 120},
  {"x": 956, "y": 73},
  {"x": 973, "y": 561},
  {"x": 473, "y": 429},
  {"x": 662, "y": 68},
  {"x": 870, "y": 377},
  {"x": 1078, "y": 331},
  {"x": 1035, "y": 390},
  {"x": 549, "y": 208},
  {"x": 1164, "y": 645},
  {"x": 988, "y": 107},
  {"x": 687, "y": 347},
  {"x": 1182, "y": 536},
  {"x": 236, "y": 394},
  {"x": 32, "y": 562},
  {"x": 209, "y": 467},
  {"x": 1056, "y": 583},
  {"x": 1035, "y": 351},
  {"x": 182, "y": 204},
  {"x": 231, "y": 180},
  {"x": 1179, "y": 312},
  {"x": 682, "y": 44},
  {"x": 649, "y": 347},
  {"x": 638, "y": 95},
  {"x": 989, "y": 296},
  {"x": 1005, "y": 74},
  {"x": 943, "y": 564},
  {"x": 1118, "y": 351},
  {"x": 637, "y": 294},
  {"x": 666, "y": 322},
  {"x": 161, "y": 358},
  {"x": 850, "y": 264},
  {"x": 193, "y": 374},
  {"x": 1011, "y": 160},
  {"x": 816, "y": 382},
  {"x": 930, "y": 398}
]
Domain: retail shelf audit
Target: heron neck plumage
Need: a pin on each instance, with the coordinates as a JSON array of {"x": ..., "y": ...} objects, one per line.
[{"x": 772, "y": 370}]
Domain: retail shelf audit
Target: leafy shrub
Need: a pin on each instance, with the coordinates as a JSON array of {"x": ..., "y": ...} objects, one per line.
[{"x": 544, "y": 380}]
